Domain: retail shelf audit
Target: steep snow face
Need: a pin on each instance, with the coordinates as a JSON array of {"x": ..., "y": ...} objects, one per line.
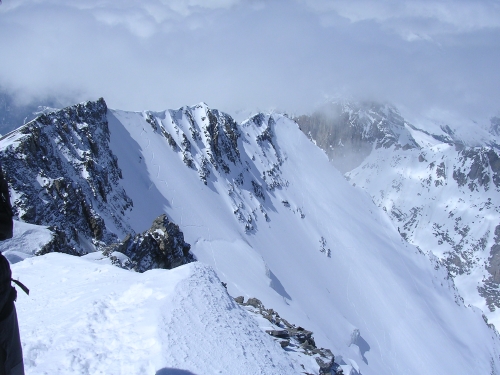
[
  {"x": 88, "y": 318},
  {"x": 264, "y": 207},
  {"x": 281, "y": 224}
]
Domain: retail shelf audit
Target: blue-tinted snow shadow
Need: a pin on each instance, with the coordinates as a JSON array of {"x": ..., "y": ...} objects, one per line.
[
  {"x": 129, "y": 154},
  {"x": 277, "y": 286},
  {"x": 12, "y": 258},
  {"x": 363, "y": 347},
  {"x": 173, "y": 371}
]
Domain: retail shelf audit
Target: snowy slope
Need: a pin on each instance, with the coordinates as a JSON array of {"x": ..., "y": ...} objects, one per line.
[
  {"x": 88, "y": 318},
  {"x": 266, "y": 210},
  {"x": 372, "y": 284},
  {"x": 439, "y": 183}
]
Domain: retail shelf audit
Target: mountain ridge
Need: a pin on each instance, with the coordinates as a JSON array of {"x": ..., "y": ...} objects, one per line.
[{"x": 275, "y": 221}]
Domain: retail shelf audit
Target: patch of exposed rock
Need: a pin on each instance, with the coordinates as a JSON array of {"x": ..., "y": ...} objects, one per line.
[
  {"x": 161, "y": 246},
  {"x": 293, "y": 337},
  {"x": 62, "y": 173},
  {"x": 490, "y": 290},
  {"x": 57, "y": 244},
  {"x": 478, "y": 167}
]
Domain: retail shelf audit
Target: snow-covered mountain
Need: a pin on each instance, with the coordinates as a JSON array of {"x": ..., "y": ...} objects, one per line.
[
  {"x": 440, "y": 187},
  {"x": 262, "y": 207}
]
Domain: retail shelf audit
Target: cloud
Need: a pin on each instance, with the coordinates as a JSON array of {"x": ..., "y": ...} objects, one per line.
[
  {"x": 423, "y": 16},
  {"x": 249, "y": 54},
  {"x": 147, "y": 17}
]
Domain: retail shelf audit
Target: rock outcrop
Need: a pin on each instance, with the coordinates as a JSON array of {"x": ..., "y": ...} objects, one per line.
[
  {"x": 161, "y": 246},
  {"x": 62, "y": 173},
  {"x": 292, "y": 337}
]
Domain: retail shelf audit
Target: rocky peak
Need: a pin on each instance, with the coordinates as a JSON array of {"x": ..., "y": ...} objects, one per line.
[
  {"x": 214, "y": 132},
  {"x": 62, "y": 173},
  {"x": 161, "y": 246}
]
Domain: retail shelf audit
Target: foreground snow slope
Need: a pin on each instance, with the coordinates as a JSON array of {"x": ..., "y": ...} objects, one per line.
[
  {"x": 87, "y": 318},
  {"x": 376, "y": 301}
]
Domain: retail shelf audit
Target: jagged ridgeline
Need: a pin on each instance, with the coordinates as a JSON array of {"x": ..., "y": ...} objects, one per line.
[{"x": 63, "y": 174}]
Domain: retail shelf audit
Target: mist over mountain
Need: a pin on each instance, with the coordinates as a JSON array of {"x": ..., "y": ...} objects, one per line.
[
  {"x": 13, "y": 114},
  {"x": 432, "y": 59},
  {"x": 334, "y": 210},
  {"x": 262, "y": 210}
]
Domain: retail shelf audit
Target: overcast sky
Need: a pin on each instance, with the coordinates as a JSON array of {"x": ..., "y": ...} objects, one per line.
[{"x": 430, "y": 58}]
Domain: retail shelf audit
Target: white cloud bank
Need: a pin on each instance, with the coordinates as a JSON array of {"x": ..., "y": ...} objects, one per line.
[{"x": 232, "y": 54}]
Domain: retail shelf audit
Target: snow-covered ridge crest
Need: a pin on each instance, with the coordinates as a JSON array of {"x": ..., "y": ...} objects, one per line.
[{"x": 144, "y": 324}]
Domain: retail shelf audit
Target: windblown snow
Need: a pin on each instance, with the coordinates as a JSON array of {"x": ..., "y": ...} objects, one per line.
[
  {"x": 280, "y": 224},
  {"x": 88, "y": 318}
]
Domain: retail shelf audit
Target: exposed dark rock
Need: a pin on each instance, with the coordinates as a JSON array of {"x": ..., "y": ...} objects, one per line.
[
  {"x": 294, "y": 338},
  {"x": 254, "y": 302},
  {"x": 170, "y": 139},
  {"x": 222, "y": 133},
  {"x": 284, "y": 343},
  {"x": 63, "y": 174},
  {"x": 240, "y": 300},
  {"x": 58, "y": 244},
  {"x": 491, "y": 287},
  {"x": 281, "y": 334},
  {"x": 441, "y": 170},
  {"x": 477, "y": 167},
  {"x": 150, "y": 119},
  {"x": 161, "y": 246},
  {"x": 257, "y": 190},
  {"x": 494, "y": 263},
  {"x": 325, "y": 366}
]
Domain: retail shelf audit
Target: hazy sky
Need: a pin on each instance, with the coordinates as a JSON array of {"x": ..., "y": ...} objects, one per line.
[{"x": 434, "y": 58}]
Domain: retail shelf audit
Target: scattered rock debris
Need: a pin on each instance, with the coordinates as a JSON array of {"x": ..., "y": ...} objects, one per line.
[{"x": 292, "y": 337}]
